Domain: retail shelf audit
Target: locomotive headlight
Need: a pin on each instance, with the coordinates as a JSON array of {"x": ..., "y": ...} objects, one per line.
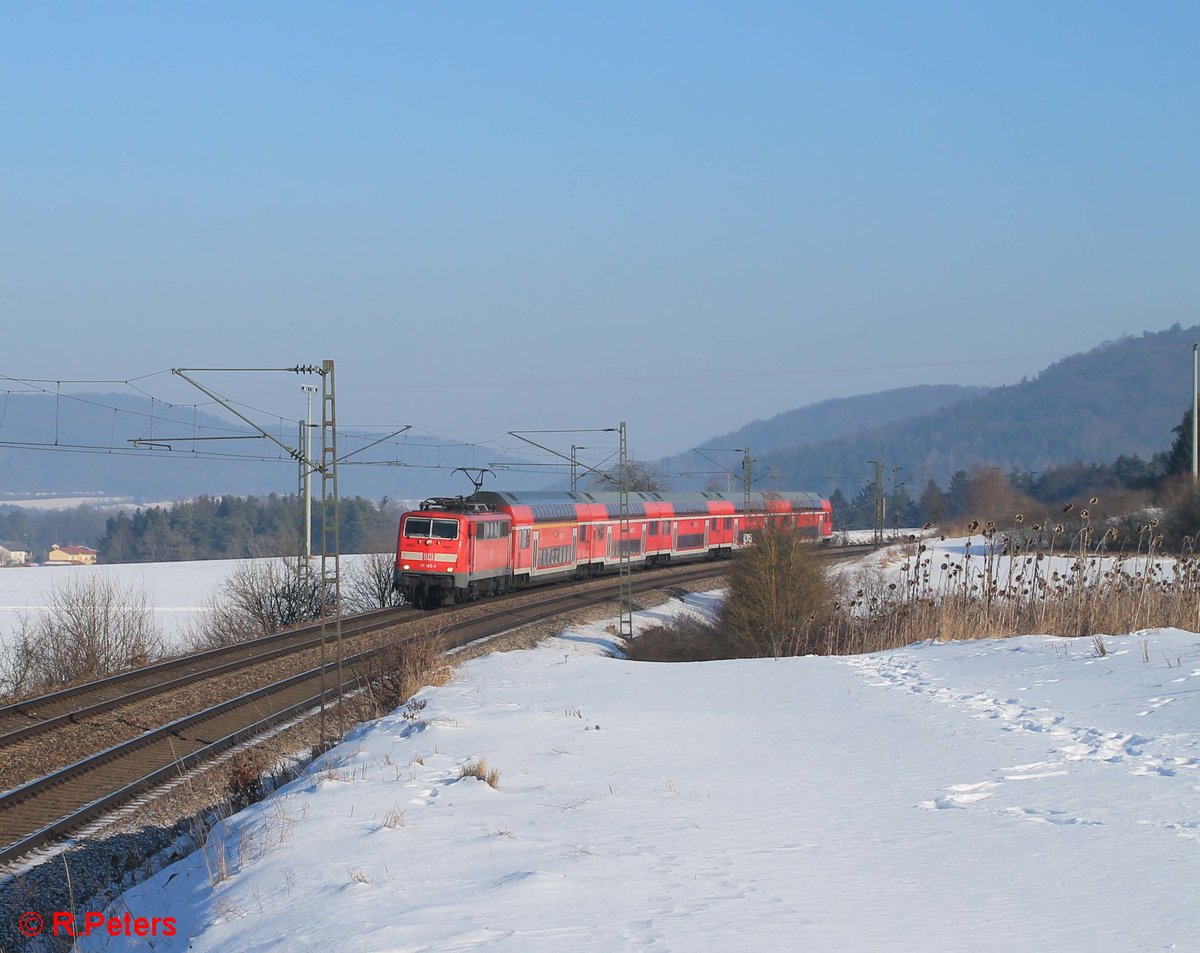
[
  {"x": 405, "y": 567},
  {"x": 449, "y": 569}
]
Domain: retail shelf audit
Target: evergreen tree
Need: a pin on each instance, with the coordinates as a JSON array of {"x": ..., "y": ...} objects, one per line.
[
  {"x": 1179, "y": 457},
  {"x": 958, "y": 494},
  {"x": 841, "y": 510},
  {"x": 862, "y": 508},
  {"x": 932, "y": 507}
]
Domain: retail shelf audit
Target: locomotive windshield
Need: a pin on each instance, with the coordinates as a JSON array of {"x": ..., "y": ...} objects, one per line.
[{"x": 419, "y": 527}]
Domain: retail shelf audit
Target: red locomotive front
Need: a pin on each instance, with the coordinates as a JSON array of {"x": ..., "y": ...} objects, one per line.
[
  {"x": 429, "y": 552},
  {"x": 452, "y": 548}
]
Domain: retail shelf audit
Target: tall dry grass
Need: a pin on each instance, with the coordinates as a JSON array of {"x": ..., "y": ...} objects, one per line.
[
  {"x": 1071, "y": 576},
  {"x": 1047, "y": 579}
]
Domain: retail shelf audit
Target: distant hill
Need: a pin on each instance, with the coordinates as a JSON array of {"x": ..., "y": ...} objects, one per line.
[
  {"x": 1122, "y": 397},
  {"x": 827, "y": 420},
  {"x": 80, "y": 446}
]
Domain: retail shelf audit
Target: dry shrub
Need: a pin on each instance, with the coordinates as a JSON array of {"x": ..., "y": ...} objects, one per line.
[
  {"x": 480, "y": 770},
  {"x": 398, "y": 670},
  {"x": 685, "y": 638},
  {"x": 779, "y": 599},
  {"x": 246, "y": 770},
  {"x": 394, "y": 818},
  {"x": 1181, "y": 523},
  {"x": 91, "y": 628}
]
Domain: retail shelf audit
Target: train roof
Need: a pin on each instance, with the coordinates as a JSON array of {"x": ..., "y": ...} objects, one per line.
[
  {"x": 549, "y": 497},
  {"x": 552, "y": 506}
]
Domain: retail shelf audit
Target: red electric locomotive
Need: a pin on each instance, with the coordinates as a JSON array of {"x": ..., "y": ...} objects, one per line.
[{"x": 495, "y": 541}]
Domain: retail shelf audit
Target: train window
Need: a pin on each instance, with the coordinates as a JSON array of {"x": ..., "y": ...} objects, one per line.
[
  {"x": 420, "y": 527},
  {"x": 729, "y": 522},
  {"x": 523, "y": 537},
  {"x": 714, "y": 523},
  {"x": 583, "y": 534}
]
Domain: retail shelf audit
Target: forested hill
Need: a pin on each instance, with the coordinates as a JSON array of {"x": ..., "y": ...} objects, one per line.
[
  {"x": 1123, "y": 397},
  {"x": 839, "y": 417},
  {"x": 815, "y": 423}
]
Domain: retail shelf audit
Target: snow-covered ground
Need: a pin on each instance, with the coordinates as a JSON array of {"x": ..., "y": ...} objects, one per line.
[
  {"x": 177, "y": 593},
  {"x": 1017, "y": 795}
]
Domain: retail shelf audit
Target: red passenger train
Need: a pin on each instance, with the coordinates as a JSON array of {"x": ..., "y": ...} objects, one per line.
[{"x": 495, "y": 541}]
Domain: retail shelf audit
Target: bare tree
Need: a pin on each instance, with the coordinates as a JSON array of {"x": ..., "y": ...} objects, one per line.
[
  {"x": 259, "y": 598},
  {"x": 640, "y": 476},
  {"x": 368, "y": 584},
  {"x": 92, "y": 627}
]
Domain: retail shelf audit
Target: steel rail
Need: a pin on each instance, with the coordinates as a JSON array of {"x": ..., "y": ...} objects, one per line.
[{"x": 228, "y": 658}]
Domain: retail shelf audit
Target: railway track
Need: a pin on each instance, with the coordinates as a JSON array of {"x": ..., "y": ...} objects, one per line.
[
  {"x": 37, "y": 715},
  {"x": 44, "y": 809}
]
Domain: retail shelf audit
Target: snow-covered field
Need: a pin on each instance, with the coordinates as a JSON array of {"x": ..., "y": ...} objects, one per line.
[
  {"x": 1017, "y": 795},
  {"x": 177, "y": 593}
]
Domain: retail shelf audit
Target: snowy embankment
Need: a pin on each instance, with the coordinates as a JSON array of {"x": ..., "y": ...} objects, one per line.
[{"x": 1016, "y": 795}]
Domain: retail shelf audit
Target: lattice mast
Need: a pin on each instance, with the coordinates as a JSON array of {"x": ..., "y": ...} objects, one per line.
[
  {"x": 746, "y": 481},
  {"x": 625, "y": 627},
  {"x": 331, "y": 578}
]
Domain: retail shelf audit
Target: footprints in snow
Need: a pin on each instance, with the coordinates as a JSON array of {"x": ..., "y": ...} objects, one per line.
[
  {"x": 1069, "y": 744},
  {"x": 1046, "y": 817},
  {"x": 962, "y": 796},
  {"x": 1076, "y": 743}
]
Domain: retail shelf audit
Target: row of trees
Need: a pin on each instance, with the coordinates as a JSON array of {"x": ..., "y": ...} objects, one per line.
[
  {"x": 209, "y": 527},
  {"x": 1126, "y": 484},
  {"x": 238, "y": 527}
]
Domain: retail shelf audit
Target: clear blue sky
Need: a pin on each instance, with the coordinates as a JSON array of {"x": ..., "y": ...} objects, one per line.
[{"x": 696, "y": 214}]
